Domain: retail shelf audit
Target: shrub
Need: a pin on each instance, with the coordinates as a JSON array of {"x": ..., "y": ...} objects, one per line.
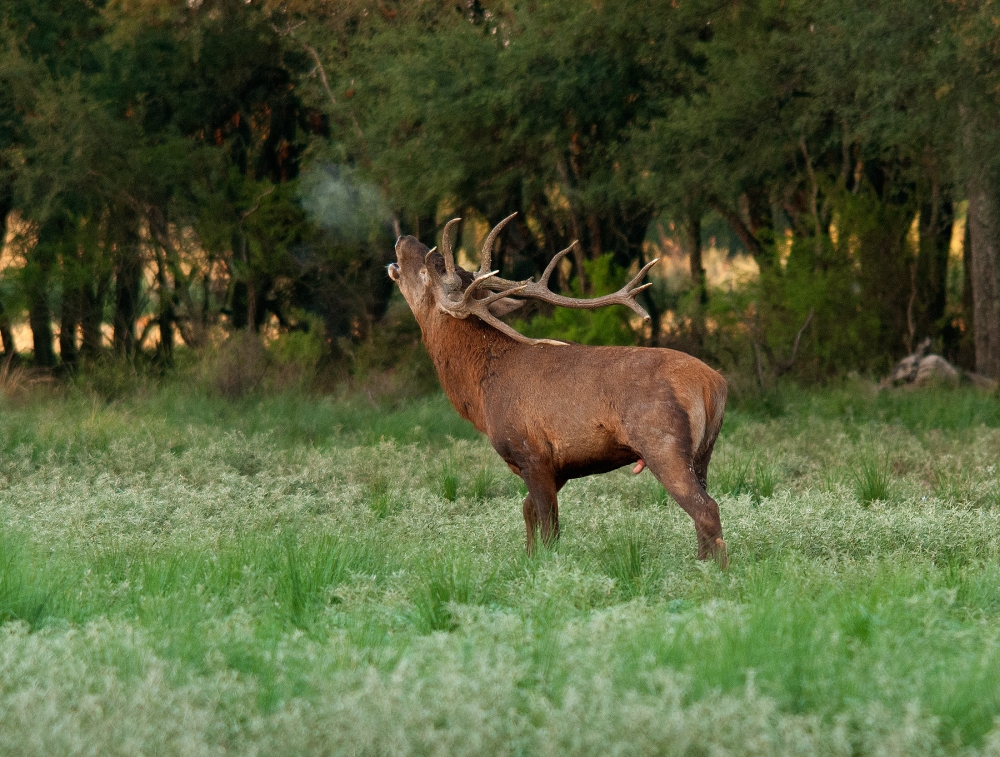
[
  {"x": 238, "y": 367},
  {"x": 295, "y": 356}
]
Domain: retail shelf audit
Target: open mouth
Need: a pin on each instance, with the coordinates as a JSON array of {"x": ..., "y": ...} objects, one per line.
[{"x": 393, "y": 270}]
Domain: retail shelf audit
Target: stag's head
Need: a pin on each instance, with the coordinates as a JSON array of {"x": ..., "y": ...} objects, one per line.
[
  {"x": 432, "y": 283},
  {"x": 410, "y": 273}
]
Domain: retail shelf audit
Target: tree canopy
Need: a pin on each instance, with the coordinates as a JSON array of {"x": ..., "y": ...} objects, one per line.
[{"x": 172, "y": 168}]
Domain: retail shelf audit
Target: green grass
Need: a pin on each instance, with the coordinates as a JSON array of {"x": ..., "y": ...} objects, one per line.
[{"x": 299, "y": 575}]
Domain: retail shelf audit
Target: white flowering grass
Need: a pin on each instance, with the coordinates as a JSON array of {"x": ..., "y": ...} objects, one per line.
[{"x": 301, "y": 576}]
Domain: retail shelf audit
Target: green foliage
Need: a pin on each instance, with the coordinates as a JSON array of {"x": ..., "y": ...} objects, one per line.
[
  {"x": 297, "y": 355},
  {"x": 214, "y": 167}
]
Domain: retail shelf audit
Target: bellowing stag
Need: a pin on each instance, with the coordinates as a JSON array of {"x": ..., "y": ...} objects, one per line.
[{"x": 556, "y": 411}]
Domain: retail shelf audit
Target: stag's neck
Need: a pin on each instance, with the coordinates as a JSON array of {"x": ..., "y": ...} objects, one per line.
[{"x": 462, "y": 351}]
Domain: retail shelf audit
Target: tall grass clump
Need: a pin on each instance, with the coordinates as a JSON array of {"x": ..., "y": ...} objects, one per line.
[
  {"x": 625, "y": 556},
  {"x": 444, "y": 580},
  {"x": 378, "y": 493},
  {"x": 312, "y": 572},
  {"x": 873, "y": 479},
  {"x": 24, "y": 595},
  {"x": 449, "y": 483},
  {"x": 748, "y": 475},
  {"x": 485, "y": 485}
]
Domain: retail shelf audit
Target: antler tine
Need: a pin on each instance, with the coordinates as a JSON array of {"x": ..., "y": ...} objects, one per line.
[
  {"x": 538, "y": 290},
  {"x": 480, "y": 309},
  {"x": 492, "y": 320},
  {"x": 484, "y": 280},
  {"x": 638, "y": 276},
  {"x": 555, "y": 261},
  {"x": 487, "y": 253},
  {"x": 449, "y": 258}
]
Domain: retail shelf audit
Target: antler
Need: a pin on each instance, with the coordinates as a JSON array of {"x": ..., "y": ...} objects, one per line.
[
  {"x": 459, "y": 304},
  {"x": 451, "y": 282},
  {"x": 486, "y": 256},
  {"x": 539, "y": 290},
  {"x": 470, "y": 305}
]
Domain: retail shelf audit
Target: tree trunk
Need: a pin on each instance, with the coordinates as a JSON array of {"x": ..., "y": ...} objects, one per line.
[
  {"x": 165, "y": 348},
  {"x": 594, "y": 236},
  {"x": 966, "y": 346},
  {"x": 36, "y": 288},
  {"x": 40, "y": 319},
  {"x": 128, "y": 272},
  {"x": 6, "y": 337},
  {"x": 91, "y": 315},
  {"x": 694, "y": 250},
  {"x": 936, "y": 221},
  {"x": 984, "y": 236},
  {"x": 69, "y": 318}
]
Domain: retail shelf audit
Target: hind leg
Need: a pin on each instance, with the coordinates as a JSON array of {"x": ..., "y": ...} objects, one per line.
[
  {"x": 701, "y": 461},
  {"x": 683, "y": 482}
]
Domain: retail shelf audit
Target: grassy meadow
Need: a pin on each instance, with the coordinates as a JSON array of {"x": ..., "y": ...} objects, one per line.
[{"x": 182, "y": 574}]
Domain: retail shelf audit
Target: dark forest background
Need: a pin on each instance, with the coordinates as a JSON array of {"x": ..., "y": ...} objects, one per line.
[{"x": 175, "y": 173}]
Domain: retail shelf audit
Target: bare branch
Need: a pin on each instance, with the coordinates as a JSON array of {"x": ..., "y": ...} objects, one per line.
[
  {"x": 782, "y": 368},
  {"x": 746, "y": 236},
  {"x": 257, "y": 203},
  {"x": 289, "y": 31}
]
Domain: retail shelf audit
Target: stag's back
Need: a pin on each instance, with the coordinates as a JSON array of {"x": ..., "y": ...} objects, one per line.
[{"x": 599, "y": 399}]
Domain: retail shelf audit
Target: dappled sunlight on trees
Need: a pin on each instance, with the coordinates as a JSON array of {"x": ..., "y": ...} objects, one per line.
[{"x": 180, "y": 171}]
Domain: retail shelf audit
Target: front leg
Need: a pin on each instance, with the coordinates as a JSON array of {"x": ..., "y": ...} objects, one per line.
[
  {"x": 541, "y": 508},
  {"x": 530, "y": 522}
]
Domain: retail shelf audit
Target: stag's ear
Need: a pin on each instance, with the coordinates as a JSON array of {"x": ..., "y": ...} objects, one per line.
[{"x": 500, "y": 308}]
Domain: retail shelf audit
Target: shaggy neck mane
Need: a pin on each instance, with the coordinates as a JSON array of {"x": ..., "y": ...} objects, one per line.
[{"x": 462, "y": 351}]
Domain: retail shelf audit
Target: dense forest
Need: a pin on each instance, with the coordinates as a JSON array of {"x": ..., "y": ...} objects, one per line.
[{"x": 173, "y": 172}]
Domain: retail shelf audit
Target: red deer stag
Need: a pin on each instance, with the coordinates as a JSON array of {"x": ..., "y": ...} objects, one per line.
[{"x": 556, "y": 411}]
